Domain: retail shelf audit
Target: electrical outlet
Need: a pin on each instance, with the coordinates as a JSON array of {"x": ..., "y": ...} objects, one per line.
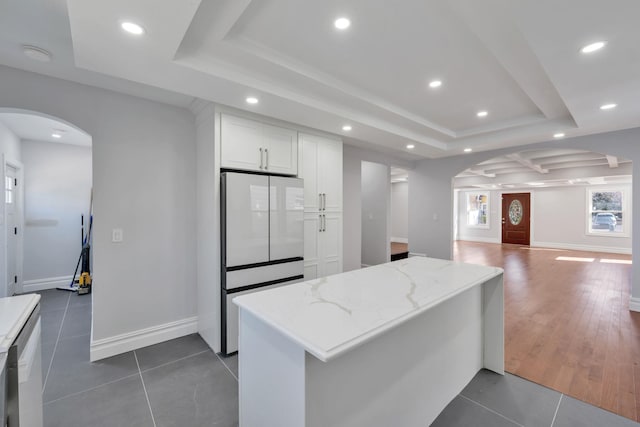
[{"x": 116, "y": 235}]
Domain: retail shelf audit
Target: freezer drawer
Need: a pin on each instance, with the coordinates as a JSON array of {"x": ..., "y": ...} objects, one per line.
[
  {"x": 253, "y": 276},
  {"x": 230, "y": 328}
]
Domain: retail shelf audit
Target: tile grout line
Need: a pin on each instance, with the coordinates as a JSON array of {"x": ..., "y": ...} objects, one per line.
[
  {"x": 55, "y": 347},
  {"x": 553, "y": 421},
  {"x": 174, "y": 361},
  {"x": 144, "y": 388},
  {"x": 225, "y": 365},
  {"x": 491, "y": 410},
  {"x": 76, "y": 393}
]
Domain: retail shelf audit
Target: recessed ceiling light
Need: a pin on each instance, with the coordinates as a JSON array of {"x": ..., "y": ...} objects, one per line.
[
  {"x": 536, "y": 184},
  {"x": 252, "y": 100},
  {"x": 468, "y": 150},
  {"x": 558, "y": 135},
  {"x": 36, "y": 53},
  {"x": 411, "y": 146},
  {"x": 608, "y": 106},
  {"x": 435, "y": 83},
  {"x": 346, "y": 128},
  {"x": 56, "y": 135},
  {"x": 593, "y": 47},
  {"x": 132, "y": 28},
  {"x": 342, "y": 23},
  {"x": 482, "y": 113}
]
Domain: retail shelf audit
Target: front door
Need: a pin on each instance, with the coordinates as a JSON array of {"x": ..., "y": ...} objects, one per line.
[{"x": 516, "y": 218}]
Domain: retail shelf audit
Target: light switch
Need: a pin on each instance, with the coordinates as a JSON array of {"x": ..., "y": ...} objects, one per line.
[{"x": 116, "y": 235}]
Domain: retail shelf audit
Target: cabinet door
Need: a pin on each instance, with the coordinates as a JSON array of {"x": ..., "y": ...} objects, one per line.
[
  {"x": 282, "y": 150},
  {"x": 331, "y": 244},
  {"x": 311, "y": 245},
  {"x": 330, "y": 174},
  {"x": 309, "y": 146},
  {"x": 241, "y": 141}
]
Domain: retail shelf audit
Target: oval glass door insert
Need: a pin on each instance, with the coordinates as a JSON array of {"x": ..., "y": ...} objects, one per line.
[{"x": 515, "y": 212}]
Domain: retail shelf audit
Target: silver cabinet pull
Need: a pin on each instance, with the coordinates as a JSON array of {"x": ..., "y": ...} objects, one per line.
[
  {"x": 320, "y": 223},
  {"x": 261, "y": 159},
  {"x": 324, "y": 201},
  {"x": 266, "y": 163},
  {"x": 324, "y": 223},
  {"x": 319, "y": 201}
]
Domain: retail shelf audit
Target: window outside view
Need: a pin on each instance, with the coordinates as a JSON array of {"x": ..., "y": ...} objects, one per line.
[
  {"x": 478, "y": 209},
  {"x": 606, "y": 209}
]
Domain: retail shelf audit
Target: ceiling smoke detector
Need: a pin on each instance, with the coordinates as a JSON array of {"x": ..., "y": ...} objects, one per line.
[{"x": 36, "y": 53}]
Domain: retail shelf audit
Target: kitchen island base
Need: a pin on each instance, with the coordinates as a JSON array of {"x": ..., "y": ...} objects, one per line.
[{"x": 404, "y": 376}]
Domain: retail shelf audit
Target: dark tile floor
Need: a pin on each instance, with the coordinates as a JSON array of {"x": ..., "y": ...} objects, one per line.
[{"x": 183, "y": 383}]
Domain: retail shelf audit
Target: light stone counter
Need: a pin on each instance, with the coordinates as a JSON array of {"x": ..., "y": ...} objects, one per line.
[{"x": 386, "y": 345}]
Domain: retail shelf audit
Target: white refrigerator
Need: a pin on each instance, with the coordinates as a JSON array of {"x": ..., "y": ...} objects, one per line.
[{"x": 262, "y": 227}]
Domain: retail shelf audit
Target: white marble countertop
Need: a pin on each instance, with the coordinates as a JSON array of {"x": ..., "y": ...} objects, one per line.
[
  {"x": 14, "y": 313},
  {"x": 332, "y": 315}
]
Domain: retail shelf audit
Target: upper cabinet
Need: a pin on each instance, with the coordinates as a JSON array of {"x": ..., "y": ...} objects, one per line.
[
  {"x": 321, "y": 169},
  {"x": 251, "y": 145}
]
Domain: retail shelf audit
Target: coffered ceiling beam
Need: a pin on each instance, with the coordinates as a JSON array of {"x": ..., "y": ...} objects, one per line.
[{"x": 526, "y": 163}]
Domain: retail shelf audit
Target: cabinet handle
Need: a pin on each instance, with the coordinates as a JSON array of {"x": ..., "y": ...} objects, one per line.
[
  {"x": 324, "y": 201},
  {"x": 266, "y": 164},
  {"x": 324, "y": 223},
  {"x": 261, "y": 158},
  {"x": 320, "y": 223},
  {"x": 319, "y": 201}
]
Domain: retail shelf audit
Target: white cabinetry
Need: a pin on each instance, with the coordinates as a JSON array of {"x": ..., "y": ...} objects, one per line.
[
  {"x": 321, "y": 168},
  {"x": 251, "y": 145}
]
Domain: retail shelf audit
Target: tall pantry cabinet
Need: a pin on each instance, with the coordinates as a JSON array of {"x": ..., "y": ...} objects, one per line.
[{"x": 320, "y": 166}]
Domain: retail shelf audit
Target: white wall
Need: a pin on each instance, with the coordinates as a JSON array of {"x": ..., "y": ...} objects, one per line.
[
  {"x": 376, "y": 209},
  {"x": 479, "y": 234},
  {"x": 9, "y": 151},
  {"x": 430, "y": 194},
  {"x": 57, "y": 189},
  {"x": 352, "y": 158},
  {"x": 144, "y": 162},
  {"x": 558, "y": 220},
  {"x": 400, "y": 212}
]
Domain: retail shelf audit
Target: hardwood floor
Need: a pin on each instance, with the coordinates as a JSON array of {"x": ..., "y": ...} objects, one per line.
[{"x": 567, "y": 321}]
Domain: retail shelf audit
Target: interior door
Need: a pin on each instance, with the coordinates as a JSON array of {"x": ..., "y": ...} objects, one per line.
[
  {"x": 12, "y": 229},
  {"x": 286, "y": 218},
  {"x": 516, "y": 219},
  {"x": 246, "y": 218}
]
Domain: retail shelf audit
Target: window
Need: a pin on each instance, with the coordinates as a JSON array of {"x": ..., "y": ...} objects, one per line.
[
  {"x": 8, "y": 189},
  {"x": 606, "y": 214},
  {"x": 478, "y": 210}
]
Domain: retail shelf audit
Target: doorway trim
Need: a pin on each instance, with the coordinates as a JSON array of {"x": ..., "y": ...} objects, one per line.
[{"x": 19, "y": 213}]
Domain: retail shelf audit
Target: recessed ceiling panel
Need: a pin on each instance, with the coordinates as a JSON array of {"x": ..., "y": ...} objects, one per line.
[{"x": 392, "y": 52}]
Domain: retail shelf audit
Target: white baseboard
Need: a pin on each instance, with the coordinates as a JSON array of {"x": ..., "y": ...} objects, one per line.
[
  {"x": 119, "y": 344},
  {"x": 480, "y": 239},
  {"x": 587, "y": 248},
  {"x": 364, "y": 265},
  {"x": 400, "y": 240},
  {"x": 46, "y": 283},
  {"x": 417, "y": 254},
  {"x": 634, "y": 304}
]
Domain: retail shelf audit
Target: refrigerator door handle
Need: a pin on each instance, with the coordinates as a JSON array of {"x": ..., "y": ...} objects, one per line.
[
  {"x": 266, "y": 163},
  {"x": 261, "y": 159}
]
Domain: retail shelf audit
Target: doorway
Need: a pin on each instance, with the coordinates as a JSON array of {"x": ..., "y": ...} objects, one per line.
[
  {"x": 399, "y": 214},
  {"x": 516, "y": 218},
  {"x": 376, "y": 191},
  {"x": 12, "y": 215}
]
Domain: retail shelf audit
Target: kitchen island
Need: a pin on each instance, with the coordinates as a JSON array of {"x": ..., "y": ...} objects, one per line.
[{"x": 386, "y": 345}]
